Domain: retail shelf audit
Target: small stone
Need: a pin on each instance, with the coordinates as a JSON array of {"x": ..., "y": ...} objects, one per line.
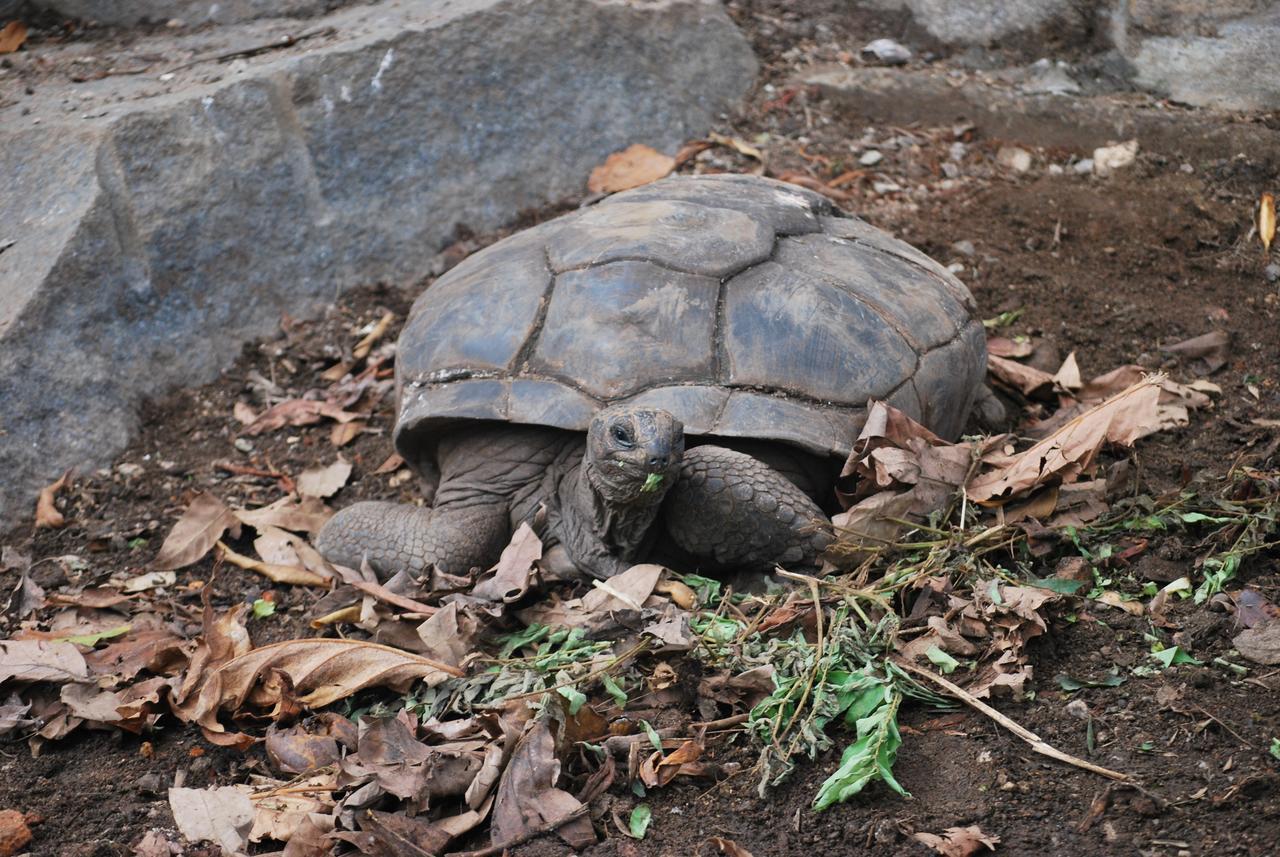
[
  {"x": 870, "y": 158},
  {"x": 885, "y": 187},
  {"x": 955, "y": 268},
  {"x": 1083, "y": 166},
  {"x": 957, "y": 151},
  {"x": 1271, "y": 272},
  {"x": 965, "y": 248},
  {"x": 244, "y": 444},
  {"x": 129, "y": 470},
  {"x": 1108, "y": 159},
  {"x": 1078, "y": 709},
  {"x": 1186, "y": 168},
  {"x": 886, "y": 52},
  {"x": 1056, "y": 169},
  {"x": 1014, "y": 158},
  {"x": 950, "y": 170},
  {"x": 1049, "y": 78},
  {"x": 151, "y": 783}
]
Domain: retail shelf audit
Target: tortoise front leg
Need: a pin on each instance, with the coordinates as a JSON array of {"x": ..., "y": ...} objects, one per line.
[
  {"x": 734, "y": 511},
  {"x": 453, "y": 538}
]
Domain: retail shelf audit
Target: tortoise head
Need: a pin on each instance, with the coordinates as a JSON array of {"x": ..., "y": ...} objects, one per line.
[{"x": 633, "y": 454}]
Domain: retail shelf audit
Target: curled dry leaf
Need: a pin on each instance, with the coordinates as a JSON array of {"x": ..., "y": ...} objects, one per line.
[
  {"x": 1208, "y": 352},
  {"x": 279, "y": 812},
  {"x": 288, "y": 574},
  {"x": 379, "y": 330},
  {"x": 12, "y": 37},
  {"x": 299, "y": 412},
  {"x": 1071, "y": 450},
  {"x": 305, "y": 515},
  {"x": 14, "y": 832},
  {"x": 324, "y": 481},
  {"x": 528, "y": 799},
  {"x": 959, "y": 841},
  {"x": 343, "y": 433},
  {"x": 319, "y": 671},
  {"x": 221, "y": 815},
  {"x": 514, "y": 572},
  {"x": 634, "y": 166},
  {"x": 47, "y": 514},
  {"x": 196, "y": 532}
]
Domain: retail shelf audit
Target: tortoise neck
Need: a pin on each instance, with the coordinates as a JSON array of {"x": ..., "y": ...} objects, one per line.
[{"x": 621, "y": 522}]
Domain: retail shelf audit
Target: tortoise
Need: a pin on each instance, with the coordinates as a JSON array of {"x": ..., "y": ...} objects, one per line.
[{"x": 675, "y": 371}]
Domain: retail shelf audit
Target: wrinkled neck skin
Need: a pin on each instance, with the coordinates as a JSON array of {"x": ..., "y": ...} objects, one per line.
[{"x": 604, "y": 525}]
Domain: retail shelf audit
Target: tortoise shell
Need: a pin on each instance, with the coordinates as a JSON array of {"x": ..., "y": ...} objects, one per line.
[{"x": 744, "y": 306}]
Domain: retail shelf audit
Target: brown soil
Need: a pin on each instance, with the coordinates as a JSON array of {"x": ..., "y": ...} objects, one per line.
[{"x": 1112, "y": 269}]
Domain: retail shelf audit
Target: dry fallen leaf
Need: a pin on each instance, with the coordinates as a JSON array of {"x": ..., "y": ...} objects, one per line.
[
  {"x": 325, "y": 481},
  {"x": 222, "y": 815},
  {"x": 634, "y": 166},
  {"x": 1267, "y": 221},
  {"x": 244, "y": 413},
  {"x": 299, "y": 412},
  {"x": 361, "y": 350},
  {"x": 1071, "y": 450},
  {"x": 14, "y": 832},
  {"x": 343, "y": 433},
  {"x": 41, "y": 660},
  {"x": 319, "y": 671},
  {"x": 513, "y": 574},
  {"x": 47, "y": 514},
  {"x": 527, "y": 797},
  {"x": 728, "y": 847},
  {"x": 12, "y": 37},
  {"x": 306, "y": 515},
  {"x": 279, "y": 812},
  {"x": 959, "y": 841},
  {"x": 196, "y": 532},
  {"x": 294, "y": 575}
]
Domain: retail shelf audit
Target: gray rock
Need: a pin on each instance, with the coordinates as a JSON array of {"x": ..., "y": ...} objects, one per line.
[
  {"x": 181, "y": 217},
  {"x": 1234, "y": 69},
  {"x": 190, "y": 12},
  {"x": 1272, "y": 272},
  {"x": 981, "y": 22},
  {"x": 1050, "y": 78}
]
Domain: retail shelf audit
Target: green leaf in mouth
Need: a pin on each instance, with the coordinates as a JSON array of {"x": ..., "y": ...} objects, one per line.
[{"x": 651, "y": 482}]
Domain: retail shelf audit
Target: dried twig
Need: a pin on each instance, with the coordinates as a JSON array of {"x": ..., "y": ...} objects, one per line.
[
  {"x": 531, "y": 833},
  {"x": 1035, "y": 741}
]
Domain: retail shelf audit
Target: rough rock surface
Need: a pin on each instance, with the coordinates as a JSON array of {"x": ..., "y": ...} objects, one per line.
[
  {"x": 152, "y": 223},
  {"x": 190, "y": 12}
]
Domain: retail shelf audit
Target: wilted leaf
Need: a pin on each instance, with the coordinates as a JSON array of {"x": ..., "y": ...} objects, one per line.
[
  {"x": 634, "y": 166},
  {"x": 324, "y": 481},
  {"x": 299, "y": 412},
  {"x": 288, "y": 574},
  {"x": 1260, "y": 644},
  {"x": 1071, "y": 450},
  {"x": 1209, "y": 351},
  {"x": 450, "y": 634},
  {"x": 12, "y": 37},
  {"x": 959, "y": 841},
  {"x": 158, "y": 650},
  {"x": 47, "y": 514},
  {"x": 1114, "y": 599},
  {"x": 40, "y": 660},
  {"x": 626, "y": 590},
  {"x": 280, "y": 812},
  {"x": 1002, "y": 346},
  {"x": 306, "y": 515},
  {"x": 244, "y": 413},
  {"x": 343, "y": 433},
  {"x": 514, "y": 572},
  {"x": 320, "y": 671},
  {"x": 527, "y": 797},
  {"x": 297, "y": 751},
  {"x": 1027, "y": 380},
  {"x": 196, "y": 532},
  {"x": 221, "y": 815},
  {"x": 739, "y": 145},
  {"x": 401, "y": 835}
]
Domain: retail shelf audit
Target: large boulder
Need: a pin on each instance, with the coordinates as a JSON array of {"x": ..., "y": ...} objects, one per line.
[
  {"x": 145, "y": 239},
  {"x": 190, "y": 12}
]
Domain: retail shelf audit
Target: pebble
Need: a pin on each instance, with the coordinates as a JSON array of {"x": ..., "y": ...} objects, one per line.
[
  {"x": 950, "y": 170},
  {"x": 244, "y": 444},
  {"x": 885, "y": 187},
  {"x": 1014, "y": 158},
  {"x": 964, "y": 248},
  {"x": 1083, "y": 166},
  {"x": 887, "y": 51},
  {"x": 957, "y": 151},
  {"x": 1108, "y": 159},
  {"x": 1056, "y": 169},
  {"x": 870, "y": 158},
  {"x": 955, "y": 268},
  {"x": 1271, "y": 272}
]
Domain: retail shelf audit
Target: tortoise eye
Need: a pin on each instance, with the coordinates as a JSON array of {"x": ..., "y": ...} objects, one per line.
[{"x": 622, "y": 437}]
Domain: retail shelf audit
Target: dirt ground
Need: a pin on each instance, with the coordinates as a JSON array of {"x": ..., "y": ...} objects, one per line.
[{"x": 1112, "y": 269}]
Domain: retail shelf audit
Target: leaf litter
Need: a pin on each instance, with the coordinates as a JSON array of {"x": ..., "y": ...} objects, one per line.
[{"x": 491, "y": 686}]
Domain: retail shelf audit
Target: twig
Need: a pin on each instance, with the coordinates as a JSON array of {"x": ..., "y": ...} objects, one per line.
[
  {"x": 531, "y": 833},
  {"x": 282, "y": 42},
  {"x": 821, "y": 645},
  {"x": 1035, "y": 741},
  {"x": 622, "y": 743}
]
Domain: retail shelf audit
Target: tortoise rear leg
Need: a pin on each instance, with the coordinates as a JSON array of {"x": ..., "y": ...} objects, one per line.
[
  {"x": 453, "y": 538},
  {"x": 734, "y": 511}
]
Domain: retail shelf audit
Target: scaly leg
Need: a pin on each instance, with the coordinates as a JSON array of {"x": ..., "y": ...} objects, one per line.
[
  {"x": 453, "y": 538},
  {"x": 736, "y": 512}
]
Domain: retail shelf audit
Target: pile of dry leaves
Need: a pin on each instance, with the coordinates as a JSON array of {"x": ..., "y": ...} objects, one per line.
[{"x": 427, "y": 708}]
